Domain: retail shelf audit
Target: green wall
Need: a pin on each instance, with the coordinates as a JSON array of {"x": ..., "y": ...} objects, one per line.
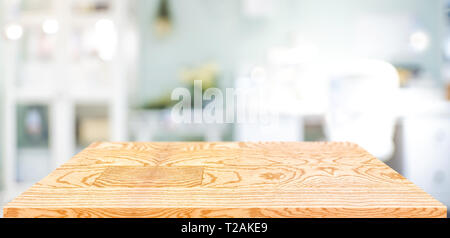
[{"x": 216, "y": 30}]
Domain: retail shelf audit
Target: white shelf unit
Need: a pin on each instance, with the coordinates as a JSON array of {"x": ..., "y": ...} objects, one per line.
[{"x": 64, "y": 89}]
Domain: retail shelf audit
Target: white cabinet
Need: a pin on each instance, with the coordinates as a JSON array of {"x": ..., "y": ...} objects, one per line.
[
  {"x": 61, "y": 69},
  {"x": 426, "y": 147}
]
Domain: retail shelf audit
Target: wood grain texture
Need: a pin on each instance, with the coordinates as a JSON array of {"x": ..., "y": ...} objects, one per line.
[
  {"x": 233, "y": 179},
  {"x": 134, "y": 177}
]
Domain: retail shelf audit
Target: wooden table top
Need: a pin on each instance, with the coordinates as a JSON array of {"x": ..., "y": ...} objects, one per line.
[{"x": 235, "y": 179}]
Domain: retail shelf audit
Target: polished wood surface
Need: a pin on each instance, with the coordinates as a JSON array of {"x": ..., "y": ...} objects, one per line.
[{"x": 231, "y": 179}]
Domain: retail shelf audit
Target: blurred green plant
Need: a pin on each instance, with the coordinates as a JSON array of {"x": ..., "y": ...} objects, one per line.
[
  {"x": 163, "y": 102},
  {"x": 207, "y": 73}
]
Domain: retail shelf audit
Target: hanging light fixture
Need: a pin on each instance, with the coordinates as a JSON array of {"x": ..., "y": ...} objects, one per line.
[{"x": 163, "y": 24}]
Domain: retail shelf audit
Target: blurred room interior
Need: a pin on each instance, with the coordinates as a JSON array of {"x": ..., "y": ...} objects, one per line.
[{"x": 376, "y": 72}]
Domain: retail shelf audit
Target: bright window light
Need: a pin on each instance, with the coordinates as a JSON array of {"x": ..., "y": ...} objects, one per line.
[
  {"x": 106, "y": 39},
  {"x": 419, "y": 41},
  {"x": 14, "y": 31},
  {"x": 50, "y": 26}
]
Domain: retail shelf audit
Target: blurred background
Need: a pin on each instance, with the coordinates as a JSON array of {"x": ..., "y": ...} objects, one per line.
[{"x": 375, "y": 72}]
